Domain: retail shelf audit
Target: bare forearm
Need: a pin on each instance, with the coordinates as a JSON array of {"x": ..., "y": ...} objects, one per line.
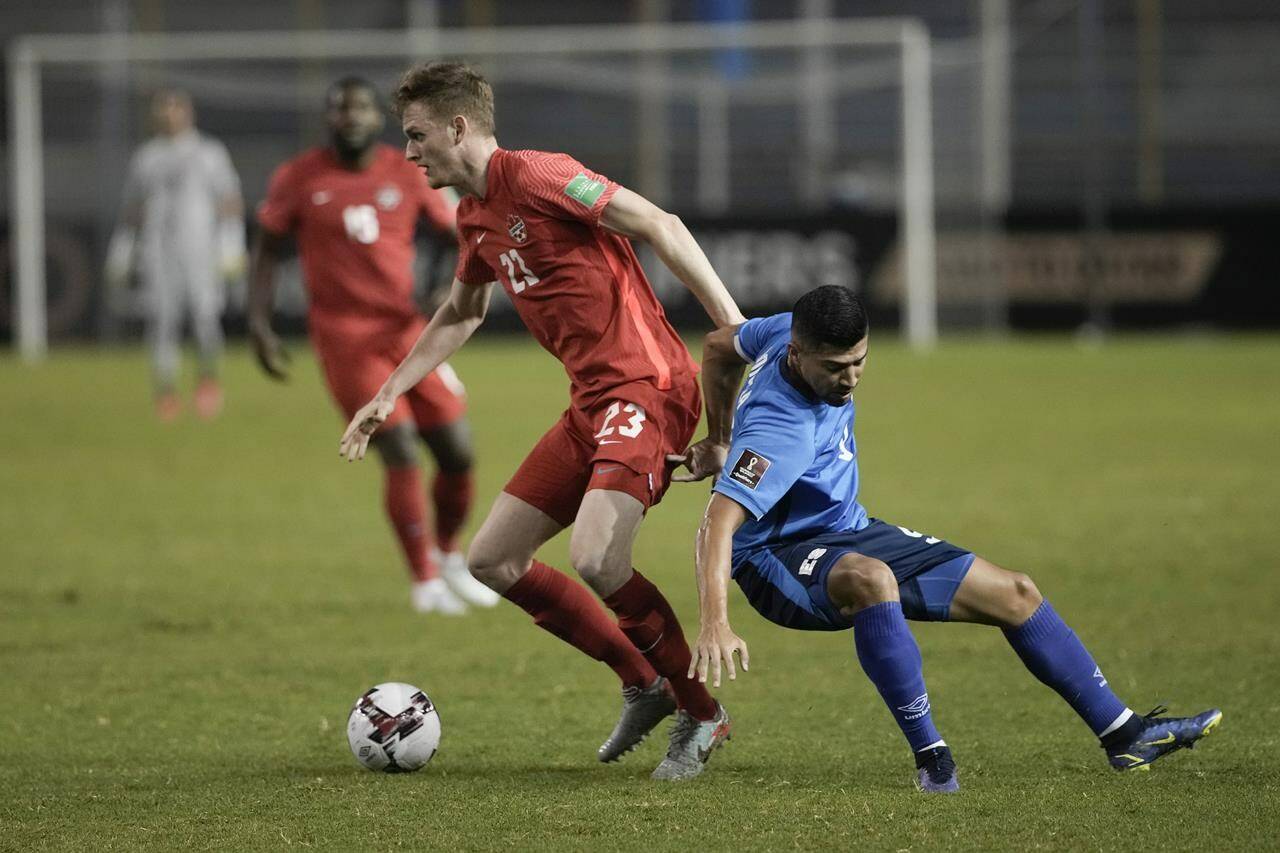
[
  {"x": 720, "y": 380},
  {"x": 262, "y": 284},
  {"x": 713, "y": 560},
  {"x": 444, "y": 335},
  {"x": 677, "y": 249}
]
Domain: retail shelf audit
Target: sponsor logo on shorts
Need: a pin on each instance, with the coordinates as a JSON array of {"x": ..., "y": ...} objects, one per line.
[
  {"x": 811, "y": 561},
  {"x": 917, "y": 709},
  {"x": 584, "y": 190},
  {"x": 749, "y": 469},
  {"x": 516, "y": 228}
]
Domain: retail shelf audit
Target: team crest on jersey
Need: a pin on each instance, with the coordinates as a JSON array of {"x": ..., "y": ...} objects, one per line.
[
  {"x": 749, "y": 469},
  {"x": 516, "y": 228},
  {"x": 388, "y": 197}
]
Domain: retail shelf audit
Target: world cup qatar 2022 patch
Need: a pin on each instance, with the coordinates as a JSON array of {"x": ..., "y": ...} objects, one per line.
[
  {"x": 584, "y": 190},
  {"x": 749, "y": 469}
]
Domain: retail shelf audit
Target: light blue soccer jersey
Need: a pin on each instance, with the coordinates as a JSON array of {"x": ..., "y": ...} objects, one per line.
[{"x": 793, "y": 460}]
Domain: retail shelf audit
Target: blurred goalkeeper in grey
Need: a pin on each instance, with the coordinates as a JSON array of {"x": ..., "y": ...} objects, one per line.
[{"x": 182, "y": 228}]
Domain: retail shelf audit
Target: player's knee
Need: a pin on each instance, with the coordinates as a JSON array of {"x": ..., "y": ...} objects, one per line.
[
  {"x": 1023, "y": 599},
  {"x": 455, "y": 459},
  {"x": 450, "y": 446},
  {"x": 396, "y": 447},
  {"x": 593, "y": 562},
  {"x": 494, "y": 569},
  {"x": 857, "y": 581}
]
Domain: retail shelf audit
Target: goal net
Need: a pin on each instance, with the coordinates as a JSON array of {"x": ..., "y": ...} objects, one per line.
[{"x": 801, "y": 153}]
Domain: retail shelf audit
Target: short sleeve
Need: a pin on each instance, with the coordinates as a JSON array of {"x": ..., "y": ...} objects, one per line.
[
  {"x": 771, "y": 450},
  {"x": 278, "y": 212},
  {"x": 471, "y": 268},
  {"x": 558, "y": 186},
  {"x": 759, "y": 333}
]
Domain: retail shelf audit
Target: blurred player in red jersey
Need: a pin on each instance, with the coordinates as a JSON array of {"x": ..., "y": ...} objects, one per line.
[
  {"x": 353, "y": 207},
  {"x": 555, "y": 235}
]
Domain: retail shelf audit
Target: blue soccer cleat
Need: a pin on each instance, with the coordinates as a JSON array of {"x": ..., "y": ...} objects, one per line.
[
  {"x": 1160, "y": 736},
  {"x": 936, "y": 771}
]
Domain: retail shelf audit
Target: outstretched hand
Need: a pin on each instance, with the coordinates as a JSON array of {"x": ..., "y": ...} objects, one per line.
[
  {"x": 703, "y": 459},
  {"x": 355, "y": 441},
  {"x": 717, "y": 643}
]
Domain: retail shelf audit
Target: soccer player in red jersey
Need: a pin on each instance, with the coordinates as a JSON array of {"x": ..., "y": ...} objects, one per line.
[
  {"x": 555, "y": 234},
  {"x": 353, "y": 206}
]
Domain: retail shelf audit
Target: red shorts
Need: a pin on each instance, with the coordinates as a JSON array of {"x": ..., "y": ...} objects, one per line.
[
  {"x": 356, "y": 366},
  {"x": 620, "y": 444}
]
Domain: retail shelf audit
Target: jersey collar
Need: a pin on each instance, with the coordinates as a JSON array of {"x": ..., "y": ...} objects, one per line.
[{"x": 797, "y": 382}]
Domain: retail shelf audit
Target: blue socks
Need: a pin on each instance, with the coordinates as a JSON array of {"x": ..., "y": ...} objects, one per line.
[
  {"x": 890, "y": 657},
  {"x": 1055, "y": 655}
]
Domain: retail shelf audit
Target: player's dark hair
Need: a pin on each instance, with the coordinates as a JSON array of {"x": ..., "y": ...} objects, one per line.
[
  {"x": 447, "y": 89},
  {"x": 829, "y": 315},
  {"x": 352, "y": 81}
]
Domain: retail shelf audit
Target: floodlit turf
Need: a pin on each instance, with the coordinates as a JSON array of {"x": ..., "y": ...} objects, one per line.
[{"x": 188, "y": 611}]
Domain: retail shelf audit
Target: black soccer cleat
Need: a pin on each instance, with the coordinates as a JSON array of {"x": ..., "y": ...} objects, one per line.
[{"x": 1160, "y": 736}]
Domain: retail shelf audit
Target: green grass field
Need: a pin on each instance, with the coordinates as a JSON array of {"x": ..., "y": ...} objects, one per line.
[{"x": 188, "y": 611}]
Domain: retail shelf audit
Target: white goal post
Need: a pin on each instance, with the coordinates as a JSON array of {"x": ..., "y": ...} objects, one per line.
[{"x": 27, "y": 55}]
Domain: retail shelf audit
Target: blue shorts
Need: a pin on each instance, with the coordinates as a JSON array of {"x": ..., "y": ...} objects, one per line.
[{"x": 787, "y": 582}]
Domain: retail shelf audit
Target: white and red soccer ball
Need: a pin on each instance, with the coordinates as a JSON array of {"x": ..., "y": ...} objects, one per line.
[{"x": 394, "y": 728}]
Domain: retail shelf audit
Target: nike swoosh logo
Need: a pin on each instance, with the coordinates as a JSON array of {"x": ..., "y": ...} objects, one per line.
[
  {"x": 321, "y": 197},
  {"x": 1166, "y": 739},
  {"x": 605, "y": 469},
  {"x": 480, "y": 239},
  {"x": 721, "y": 731}
]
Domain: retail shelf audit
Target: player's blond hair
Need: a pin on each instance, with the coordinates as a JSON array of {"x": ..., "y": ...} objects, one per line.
[{"x": 447, "y": 89}]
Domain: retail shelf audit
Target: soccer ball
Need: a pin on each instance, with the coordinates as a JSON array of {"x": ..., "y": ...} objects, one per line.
[{"x": 394, "y": 728}]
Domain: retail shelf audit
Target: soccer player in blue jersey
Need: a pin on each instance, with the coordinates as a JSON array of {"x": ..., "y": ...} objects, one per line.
[{"x": 784, "y": 520}]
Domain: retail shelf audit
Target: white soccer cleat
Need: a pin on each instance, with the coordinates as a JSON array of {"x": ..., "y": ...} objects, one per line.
[
  {"x": 434, "y": 596},
  {"x": 453, "y": 568}
]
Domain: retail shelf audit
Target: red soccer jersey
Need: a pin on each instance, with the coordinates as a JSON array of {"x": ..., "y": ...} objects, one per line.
[
  {"x": 355, "y": 234},
  {"x": 577, "y": 286}
]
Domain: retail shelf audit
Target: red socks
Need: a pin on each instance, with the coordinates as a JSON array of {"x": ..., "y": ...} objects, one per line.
[
  {"x": 649, "y": 622},
  {"x": 406, "y": 507},
  {"x": 569, "y": 611},
  {"x": 452, "y": 495}
]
